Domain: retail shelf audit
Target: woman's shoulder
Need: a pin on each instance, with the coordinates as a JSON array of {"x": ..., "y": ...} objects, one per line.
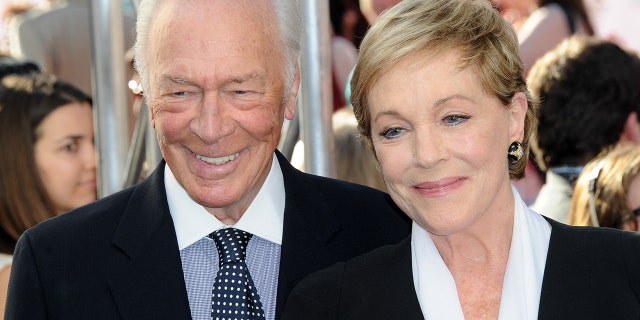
[
  {"x": 378, "y": 279},
  {"x": 5, "y": 260},
  {"x": 361, "y": 267},
  {"x": 382, "y": 257},
  {"x": 588, "y": 241},
  {"x": 595, "y": 263}
]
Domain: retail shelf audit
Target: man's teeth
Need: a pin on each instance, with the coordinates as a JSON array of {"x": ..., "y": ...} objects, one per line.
[{"x": 219, "y": 160}]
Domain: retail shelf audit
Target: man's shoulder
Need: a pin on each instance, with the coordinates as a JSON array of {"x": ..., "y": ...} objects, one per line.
[
  {"x": 360, "y": 211},
  {"x": 103, "y": 216},
  {"x": 97, "y": 217},
  {"x": 336, "y": 187},
  {"x": 348, "y": 196},
  {"x": 296, "y": 180}
]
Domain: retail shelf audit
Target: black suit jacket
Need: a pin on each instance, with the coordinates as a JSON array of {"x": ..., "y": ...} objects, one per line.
[
  {"x": 590, "y": 273},
  {"x": 118, "y": 257}
]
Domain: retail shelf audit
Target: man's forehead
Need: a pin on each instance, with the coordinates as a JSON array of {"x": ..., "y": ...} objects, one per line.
[
  {"x": 214, "y": 11},
  {"x": 212, "y": 22}
]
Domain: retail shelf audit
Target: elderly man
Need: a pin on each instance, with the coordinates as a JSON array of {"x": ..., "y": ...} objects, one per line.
[{"x": 220, "y": 77}]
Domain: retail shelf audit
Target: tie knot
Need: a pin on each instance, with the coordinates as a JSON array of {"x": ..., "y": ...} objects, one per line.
[{"x": 231, "y": 244}]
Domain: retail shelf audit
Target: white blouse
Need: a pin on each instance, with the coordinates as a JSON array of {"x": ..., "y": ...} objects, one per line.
[{"x": 436, "y": 289}]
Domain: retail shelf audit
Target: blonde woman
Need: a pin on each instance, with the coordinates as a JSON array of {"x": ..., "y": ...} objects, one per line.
[
  {"x": 440, "y": 98},
  {"x": 607, "y": 192}
]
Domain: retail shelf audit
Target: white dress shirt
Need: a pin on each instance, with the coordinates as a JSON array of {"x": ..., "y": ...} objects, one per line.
[{"x": 193, "y": 223}]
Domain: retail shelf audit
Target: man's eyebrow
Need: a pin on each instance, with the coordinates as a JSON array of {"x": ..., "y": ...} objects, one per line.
[
  {"x": 258, "y": 77},
  {"x": 175, "y": 80},
  {"x": 254, "y": 76}
]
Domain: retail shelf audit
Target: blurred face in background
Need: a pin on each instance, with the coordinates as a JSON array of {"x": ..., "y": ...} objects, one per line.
[
  {"x": 633, "y": 203},
  {"x": 65, "y": 156},
  {"x": 371, "y": 9},
  {"x": 515, "y": 11}
]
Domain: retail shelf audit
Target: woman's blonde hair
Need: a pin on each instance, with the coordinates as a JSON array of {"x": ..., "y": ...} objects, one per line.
[
  {"x": 606, "y": 180},
  {"x": 476, "y": 30}
]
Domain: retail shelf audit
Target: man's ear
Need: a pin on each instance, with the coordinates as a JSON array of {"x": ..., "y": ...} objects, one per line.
[
  {"x": 290, "y": 107},
  {"x": 152, "y": 115}
]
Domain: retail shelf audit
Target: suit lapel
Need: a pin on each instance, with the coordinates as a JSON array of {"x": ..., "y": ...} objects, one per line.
[
  {"x": 398, "y": 286},
  {"x": 390, "y": 283},
  {"x": 151, "y": 283},
  {"x": 568, "y": 270},
  {"x": 308, "y": 226},
  {"x": 403, "y": 289}
]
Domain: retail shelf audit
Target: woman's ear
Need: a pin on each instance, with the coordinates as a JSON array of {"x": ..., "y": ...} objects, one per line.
[
  {"x": 517, "y": 114},
  {"x": 631, "y": 131}
]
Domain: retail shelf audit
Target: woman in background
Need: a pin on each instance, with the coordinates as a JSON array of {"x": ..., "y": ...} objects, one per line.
[
  {"x": 608, "y": 191},
  {"x": 353, "y": 162},
  {"x": 551, "y": 22},
  {"x": 541, "y": 26},
  {"x": 48, "y": 161}
]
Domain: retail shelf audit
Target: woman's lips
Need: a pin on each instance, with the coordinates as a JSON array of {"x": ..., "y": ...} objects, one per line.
[{"x": 440, "y": 187}]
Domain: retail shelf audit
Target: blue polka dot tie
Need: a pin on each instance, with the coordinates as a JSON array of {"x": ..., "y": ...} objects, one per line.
[{"x": 234, "y": 296}]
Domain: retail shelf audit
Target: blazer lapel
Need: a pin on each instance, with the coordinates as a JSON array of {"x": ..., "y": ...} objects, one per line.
[
  {"x": 151, "y": 283},
  {"x": 308, "y": 226},
  {"x": 378, "y": 285},
  {"x": 403, "y": 289}
]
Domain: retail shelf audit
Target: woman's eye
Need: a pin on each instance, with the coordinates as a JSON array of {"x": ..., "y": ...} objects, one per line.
[
  {"x": 455, "y": 119},
  {"x": 391, "y": 133},
  {"x": 71, "y": 147}
]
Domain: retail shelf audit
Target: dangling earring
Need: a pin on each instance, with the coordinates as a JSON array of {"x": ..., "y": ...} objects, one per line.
[{"x": 515, "y": 152}]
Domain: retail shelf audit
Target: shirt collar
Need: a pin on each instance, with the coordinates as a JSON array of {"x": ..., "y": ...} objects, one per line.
[
  {"x": 263, "y": 218},
  {"x": 436, "y": 289}
]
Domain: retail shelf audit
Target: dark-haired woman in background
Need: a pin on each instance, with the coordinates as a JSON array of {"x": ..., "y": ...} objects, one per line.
[{"x": 48, "y": 163}]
